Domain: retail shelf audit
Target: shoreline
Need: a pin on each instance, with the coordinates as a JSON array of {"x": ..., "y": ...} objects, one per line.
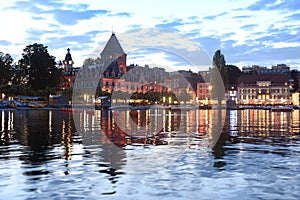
[{"x": 70, "y": 109}]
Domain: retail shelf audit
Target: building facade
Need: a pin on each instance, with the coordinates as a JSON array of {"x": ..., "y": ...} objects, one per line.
[
  {"x": 203, "y": 93},
  {"x": 264, "y": 89}
]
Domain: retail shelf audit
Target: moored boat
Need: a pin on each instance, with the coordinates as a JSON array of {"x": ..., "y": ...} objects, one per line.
[
  {"x": 11, "y": 104},
  {"x": 282, "y": 108},
  {"x": 119, "y": 107},
  {"x": 36, "y": 104},
  {"x": 21, "y": 104}
]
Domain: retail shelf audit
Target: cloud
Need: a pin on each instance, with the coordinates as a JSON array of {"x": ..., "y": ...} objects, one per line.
[
  {"x": 135, "y": 26},
  {"x": 228, "y": 35},
  {"x": 70, "y": 17},
  {"x": 168, "y": 41},
  {"x": 193, "y": 18},
  {"x": 173, "y": 24},
  {"x": 241, "y": 16},
  {"x": 159, "y": 58},
  {"x": 265, "y": 51},
  {"x": 293, "y": 17},
  {"x": 249, "y": 27},
  {"x": 35, "y": 6},
  {"x": 291, "y": 5},
  {"x": 247, "y": 31},
  {"x": 121, "y": 14},
  {"x": 214, "y": 17},
  {"x": 286, "y": 45},
  {"x": 194, "y": 33},
  {"x": 210, "y": 44},
  {"x": 5, "y": 42},
  {"x": 279, "y": 36},
  {"x": 261, "y": 5}
]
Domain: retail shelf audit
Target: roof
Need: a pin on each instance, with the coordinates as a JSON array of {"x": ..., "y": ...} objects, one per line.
[
  {"x": 253, "y": 78},
  {"x": 112, "y": 47}
]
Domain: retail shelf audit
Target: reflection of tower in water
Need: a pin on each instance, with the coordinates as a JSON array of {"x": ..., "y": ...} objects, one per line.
[{"x": 66, "y": 137}]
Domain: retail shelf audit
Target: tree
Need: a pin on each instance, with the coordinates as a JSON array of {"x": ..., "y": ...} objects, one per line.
[
  {"x": 39, "y": 68},
  {"x": 91, "y": 61},
  {"x": 153, "y": 96},
  {"x": 218, "y": 81},
  {"x": 220, "y": 63},
  {"x": 233, "y": 74},
  {"x": 6, "y": 70}
]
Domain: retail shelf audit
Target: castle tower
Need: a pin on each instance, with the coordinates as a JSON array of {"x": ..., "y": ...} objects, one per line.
[
  {"x": 113, "y": 53},
  {"x": 68, "y": 62}
]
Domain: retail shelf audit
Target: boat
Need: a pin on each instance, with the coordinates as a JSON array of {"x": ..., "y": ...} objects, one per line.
[
  {"x": 21, "y": 104},
  {"x": 2, "y": 104},
  {"x": 160, "y": 107},
  {"x": 36, "y": 104},
  {"x": 119, "y": 107},
  {"x": 11, "y": 104},
  {"x": 184, "y": 107},
  {"x": 140, "y": 107},
  {"x": 296, "y": 107},
  {"x": 282, "y": 108}
]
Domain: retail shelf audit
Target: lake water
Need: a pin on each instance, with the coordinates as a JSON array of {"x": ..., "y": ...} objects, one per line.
[{"x": 195, "y": 154}]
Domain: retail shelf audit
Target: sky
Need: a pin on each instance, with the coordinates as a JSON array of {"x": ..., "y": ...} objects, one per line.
[{"x": 248, "y": 32}]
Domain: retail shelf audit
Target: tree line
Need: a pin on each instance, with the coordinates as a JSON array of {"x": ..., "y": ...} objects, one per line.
[{"x": 36, "y": 73}]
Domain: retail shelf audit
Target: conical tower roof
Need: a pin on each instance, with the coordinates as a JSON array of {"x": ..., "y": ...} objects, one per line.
[{"x": 112, "y": 47}]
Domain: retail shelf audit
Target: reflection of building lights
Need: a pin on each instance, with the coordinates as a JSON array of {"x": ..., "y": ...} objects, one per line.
[
  {"x": 50, "y": 121},
  {"x": 2, "y": 121}
]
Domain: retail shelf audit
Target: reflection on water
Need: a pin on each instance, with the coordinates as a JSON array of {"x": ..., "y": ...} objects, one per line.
[{"x": 149, "y": 153}]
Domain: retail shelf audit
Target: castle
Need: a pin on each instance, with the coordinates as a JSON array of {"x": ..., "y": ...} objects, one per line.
[{"x": 111, "y": 73}]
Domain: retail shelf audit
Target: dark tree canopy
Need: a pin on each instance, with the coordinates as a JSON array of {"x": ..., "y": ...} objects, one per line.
[
  {"x": 219, "y": 60},
  {"x": 220, "y": 63},
  {"x": 39, "y": 68},
  {"x": 233, "y": 73},
  {"x": 6, "y": 70},
  {"x": 218, "y": 77}
]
